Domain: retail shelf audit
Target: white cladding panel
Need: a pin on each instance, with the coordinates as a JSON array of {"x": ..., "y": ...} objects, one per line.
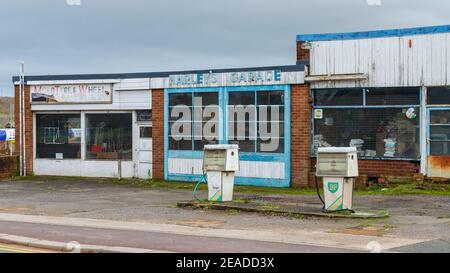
[
  {"x": 145, "y": 156},
  {"x": 66, "y": 167},
  {"x": 146, "y": 144},
  {"x": 134, "y": 84},
  {"x": 133, "y": 99},
  {"x": 77, "y": 167},
  {"x": 185, "y": 166},
  {"x": 388, "y": 62},
  {"x": 256, "y": 169}
]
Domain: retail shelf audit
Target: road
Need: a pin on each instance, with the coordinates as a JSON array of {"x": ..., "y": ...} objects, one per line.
[
  {"x": 94, "y": 212},
  {"x": 152, "y": 240}
]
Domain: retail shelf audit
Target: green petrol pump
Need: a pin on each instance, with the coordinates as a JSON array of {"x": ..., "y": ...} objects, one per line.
[{"x": 338, "y": 168}]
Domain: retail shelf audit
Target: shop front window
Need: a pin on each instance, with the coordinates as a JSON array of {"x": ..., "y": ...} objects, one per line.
[
  {"x": 193, "y": 120},
  {"x": 256, "y": 121},
  {"x": 109, "y": 136},
  {"x": 58, "y": 136},
  {"x": 338, "y": 97},
  {"x": 376, "y": 129},
  {"x": 440, "y": 132},
  {"x": 438, "y": 95}
]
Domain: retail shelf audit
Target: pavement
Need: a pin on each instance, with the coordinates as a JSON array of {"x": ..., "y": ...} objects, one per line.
[
  {"x": 18, "y": 248},
  {"x": 94, "y": 213},
  {"x": 111, "y": 237}
]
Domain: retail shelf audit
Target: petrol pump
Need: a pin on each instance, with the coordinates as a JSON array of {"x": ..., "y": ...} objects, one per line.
[
  {"x": 338, "y": 167},
  {"x": 220, "y": 162}
]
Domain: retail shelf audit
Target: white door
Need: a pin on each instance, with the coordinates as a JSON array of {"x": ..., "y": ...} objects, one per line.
[{"x": 145, "y": 154}]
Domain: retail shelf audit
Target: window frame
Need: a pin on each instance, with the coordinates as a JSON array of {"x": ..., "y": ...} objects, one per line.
[
  {"x": 193, "y": 139},
  {"x": 86, "y": 113},
  {"x": 256, "y": 121},
  {"x": 366, "y": 106},
  {"x": 435, "y": 88},
  {"x": 35, "y": 133}
]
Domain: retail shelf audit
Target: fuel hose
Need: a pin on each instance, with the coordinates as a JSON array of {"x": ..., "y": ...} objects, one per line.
[
  {"x": 320, "y": 197},
  {"x": 194, "y": 192}
]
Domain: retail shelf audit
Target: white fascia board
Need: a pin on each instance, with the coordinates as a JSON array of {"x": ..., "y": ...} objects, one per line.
[
  {"x": 297, "y": 77},
  {"x": 69, "y": 82},
  {"x": 159, "y": 83},
  {"x": 133, "y": 84}
]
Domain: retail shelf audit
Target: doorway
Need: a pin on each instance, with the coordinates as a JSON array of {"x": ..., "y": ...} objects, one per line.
[{"x": 145, "y": 152}]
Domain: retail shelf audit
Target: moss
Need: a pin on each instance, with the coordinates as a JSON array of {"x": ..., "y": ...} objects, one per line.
[
  {"x": 411, "y": 188},
  {"x": 406, "y": 189}
]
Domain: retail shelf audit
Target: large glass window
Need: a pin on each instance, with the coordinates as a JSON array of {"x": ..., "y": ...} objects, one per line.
[
  {"x": 109, "y": 136},
  {"x": 440, "y": 132},
  {"x": 392, "y": 96},
  {"x": 374, "y": 132},
  {"x": 256, "y": 121},
  {"x": 58, "y": 136},
  {"x": 438, "y": 95},
  {"x": 206, "y": 119},
  {"x": 193, "y": 120},
  {"x": 376, "y": 129},
  {"x": 341, "y": 97}
]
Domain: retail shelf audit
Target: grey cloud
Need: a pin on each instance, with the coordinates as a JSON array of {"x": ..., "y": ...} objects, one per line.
[{"x": 102, "y": 36}]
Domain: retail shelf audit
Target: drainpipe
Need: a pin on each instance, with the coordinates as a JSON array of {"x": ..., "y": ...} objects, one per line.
[
  {"x": 11, "y": 124},
  {"x": 423, "y": 133},
  {"x": 119, "y": 169},
  {"x": 22, "y": 82},
  {"x": 20, "y": 126}
]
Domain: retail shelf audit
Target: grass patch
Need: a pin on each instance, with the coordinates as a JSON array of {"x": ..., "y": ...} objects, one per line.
[
  {"x": 376, "y": 189},
  {"x": 406, "y": 189}
]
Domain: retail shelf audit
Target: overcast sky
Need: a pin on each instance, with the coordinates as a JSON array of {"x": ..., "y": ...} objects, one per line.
[{"x": 103, "y": 36}]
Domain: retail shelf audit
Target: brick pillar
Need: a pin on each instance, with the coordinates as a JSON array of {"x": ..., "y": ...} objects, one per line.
[
  {"x": 158, "y": 133},
  {"x": 302, "y": 53},
  {"x": 28, "y": 127},
  {"x": 300, "y": 135}
]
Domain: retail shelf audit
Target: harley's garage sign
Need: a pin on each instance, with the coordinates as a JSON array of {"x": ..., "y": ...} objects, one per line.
[{"x": 77, "y": 93}]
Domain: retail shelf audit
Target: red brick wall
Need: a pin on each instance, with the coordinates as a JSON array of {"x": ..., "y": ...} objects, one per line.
[
  {"x": 300, "y": 135},
  {"x": 379, "y": 168},
  {"x": 388, "y": 168},
  {"x": 158, "y": 133},
  {"x": 28, "y": 127},
  {"x": 8, "y": 166},
  {"x": 302, "y": 54}
]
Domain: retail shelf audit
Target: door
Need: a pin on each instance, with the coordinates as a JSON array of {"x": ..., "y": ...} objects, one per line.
[
  {"x": 145, "y": 153},
  {"x": 438, "y": 141}
]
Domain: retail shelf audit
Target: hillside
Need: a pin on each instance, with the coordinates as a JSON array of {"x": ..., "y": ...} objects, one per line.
[{"x": 4, "y": 110}]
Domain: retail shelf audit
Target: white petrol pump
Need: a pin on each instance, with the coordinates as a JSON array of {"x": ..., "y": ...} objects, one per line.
[
  {"x": 220, "y": 162},
  {"x": 338, "y": 167}
]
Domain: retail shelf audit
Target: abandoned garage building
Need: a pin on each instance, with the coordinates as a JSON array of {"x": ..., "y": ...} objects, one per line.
[{"x": 384, "y": 92}]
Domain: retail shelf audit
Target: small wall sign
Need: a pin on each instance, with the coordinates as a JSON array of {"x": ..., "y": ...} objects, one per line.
[
  {"x": 318, "y": 113},
  {"x": 411, "y": 113},
  {"x": 77, "y": 93}
]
